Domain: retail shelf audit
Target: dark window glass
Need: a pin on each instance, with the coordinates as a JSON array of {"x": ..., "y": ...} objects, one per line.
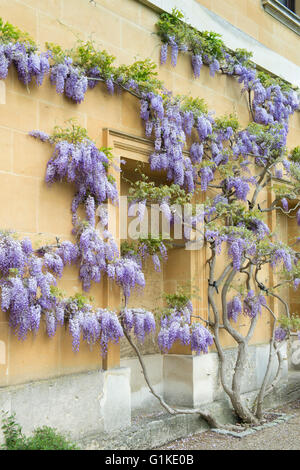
[{"x": 290, "y": 4}]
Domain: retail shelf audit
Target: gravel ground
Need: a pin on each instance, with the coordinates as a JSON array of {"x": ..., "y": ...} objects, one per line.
[{"x": 284, "y": 436}]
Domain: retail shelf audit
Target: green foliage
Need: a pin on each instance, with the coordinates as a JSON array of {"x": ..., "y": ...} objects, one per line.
[
  {"x": 238, "y": 212},
  {"x": 145, "y": 189},
  {"x": 225, "y": 121},
  {"x": 269, "y": 135},
  {"x": 295, "y": 155},
  {"x": 295, "y": 173},
  {"x": 57, "y": 52},
  {"x": 14, "y": 272},
  {"x": 244, "y": 56},
  {"x": 86, "y": 56},
  {"x": 206, "y": 42},
  {"x": 196, "y": 105},
  {"x": 43, "y": 438},
  {"x": 80, "y": 299},
  {"x": 177, "y": 14},
  {"x": 168, "y": 24},
  {"x": 71, "y": 132},
  {"x": 284, "y": 190},
  {"x": 10, "y": 33},
  {"x": 268, "y": 80},
  {"x": 128, "y": 248},
  {"x": 152, "y": 243},
  {"x": 57, "y": 293},
  {"x": 178, "y": 300},
  {"x": 210, "y": 44},
  {"x": 143, "y": 72}
]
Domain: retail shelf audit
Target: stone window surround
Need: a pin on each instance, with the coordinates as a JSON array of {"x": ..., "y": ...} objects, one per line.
[
  {"x": 202, "y": 18},
  {"x": 283, "y": 14}
]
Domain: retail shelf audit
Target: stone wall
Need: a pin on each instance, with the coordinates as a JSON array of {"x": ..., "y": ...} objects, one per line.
[
  {"x": 126, "y": 29},
  {"x": 97, "y": 402}
]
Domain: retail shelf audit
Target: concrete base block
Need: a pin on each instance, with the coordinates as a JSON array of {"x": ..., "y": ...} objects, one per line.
[
  {"x": 189, "y": 380},
  {"x": 141, "y": 398},
  {"x": 193, "y": 381},
  {"x": 77, "y": 405},
  {"x": 115, "y": 398}
]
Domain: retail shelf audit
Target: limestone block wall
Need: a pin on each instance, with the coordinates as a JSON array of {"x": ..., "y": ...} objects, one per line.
[{"x": 250, "y": 17}]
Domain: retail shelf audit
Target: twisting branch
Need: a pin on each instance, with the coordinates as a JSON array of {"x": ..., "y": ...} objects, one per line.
[
  {"x": 262, "y": 391},
  {"x": 211, "y": 302},
  {"x": 213, "y": 423}
]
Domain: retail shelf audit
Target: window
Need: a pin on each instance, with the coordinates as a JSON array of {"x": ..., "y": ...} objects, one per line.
[
  {"x": 285, "y": 11},
  {"x": 290, "y": 4}
]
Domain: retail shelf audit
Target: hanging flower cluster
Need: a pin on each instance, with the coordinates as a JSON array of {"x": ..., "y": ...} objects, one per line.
[
  {"x": 92, "y": 325},
  {"x": 76, "y": 159},
  {"x": 280, "y": 334},
  {"x": 138, "y": 320},
  {"x": 279, "y": 252},
  {"x": 251, "y": 305},
  {"x": 273, "y": 100},
  {"x": 19, "y": 50},
  {"x": 95, "y": 251},
  {"x": 176, "y": 325},
  {"x": 171, "y": 124},
  {"x": 127, "y": 274},
  {"x": 234, "y": 308},
  {"x": 145, "y": 247},
  {"x": 240, "y": 242},
  {"x": 27, "y": 283}
]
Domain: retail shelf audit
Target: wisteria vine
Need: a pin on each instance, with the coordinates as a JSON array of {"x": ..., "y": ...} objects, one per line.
[{"x": 196, "y": 152}]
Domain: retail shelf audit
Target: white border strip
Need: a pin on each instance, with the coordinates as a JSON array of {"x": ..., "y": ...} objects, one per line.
[{"x": 203, "y": 19}]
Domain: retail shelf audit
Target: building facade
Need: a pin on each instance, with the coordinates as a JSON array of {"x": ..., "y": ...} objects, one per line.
[{"x": 41, "y": 378}]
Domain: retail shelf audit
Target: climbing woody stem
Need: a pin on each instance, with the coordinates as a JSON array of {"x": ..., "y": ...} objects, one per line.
[
  {"x": 261, "y": 393},
  {"x": 173, "y": 411}
]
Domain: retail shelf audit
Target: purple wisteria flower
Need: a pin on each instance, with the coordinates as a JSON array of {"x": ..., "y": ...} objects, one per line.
[
  {"x": 285, "y": 204},
  {"x": 127, "y": 274},
  {"x": 91, "y": 325},
  {"x": 163, "y": 53},
  {"x": 197, "y": 64},
  {"x": 139, "y": 320},
  {"x": 280, "y": 334},
  {"x": 201, "y": 338},
  {"x": 214, "y": 67},
  {"x": 282, "y": 254},
  {"x": 27, "y": 281},
  {"x": 253, "y": 303},
  {"x": 234, "y": 308},
  {"x": 296, "y": 282}
]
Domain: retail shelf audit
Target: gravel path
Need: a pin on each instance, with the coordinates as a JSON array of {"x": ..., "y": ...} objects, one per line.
[{"x": 284, "y": 436}]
